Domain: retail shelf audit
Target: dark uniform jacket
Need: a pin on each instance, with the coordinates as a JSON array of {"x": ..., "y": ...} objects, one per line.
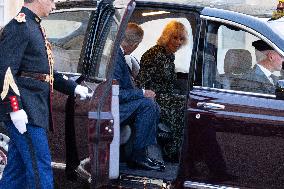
[{"x": 22, "y": 49}]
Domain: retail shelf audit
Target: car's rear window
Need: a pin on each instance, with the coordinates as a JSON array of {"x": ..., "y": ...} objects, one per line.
[{"x": 66, "y": 32}]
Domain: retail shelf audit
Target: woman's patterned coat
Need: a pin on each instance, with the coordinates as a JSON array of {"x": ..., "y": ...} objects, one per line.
[{"x": 157, "y": 73}]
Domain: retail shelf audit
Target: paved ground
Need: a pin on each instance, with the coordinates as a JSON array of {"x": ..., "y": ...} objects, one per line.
[
  {"x": 129, "y": 178},
  {"x": 62, "y": 183}
]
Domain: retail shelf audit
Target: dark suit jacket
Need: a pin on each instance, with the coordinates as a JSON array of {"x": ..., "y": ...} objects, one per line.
[
  {"x": 130, "y": 97},
  {"x": 256, "y": 81},
  {"x": 22, "y": 48}
]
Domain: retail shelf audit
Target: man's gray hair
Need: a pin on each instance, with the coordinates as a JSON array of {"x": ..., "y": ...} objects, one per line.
[
  {"x": 133, "y": 34},
  {"x": 260, "y": 55}
]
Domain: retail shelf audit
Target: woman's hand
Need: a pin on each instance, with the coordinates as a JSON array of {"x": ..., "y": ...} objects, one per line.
[{"x": 150, "y": 94}]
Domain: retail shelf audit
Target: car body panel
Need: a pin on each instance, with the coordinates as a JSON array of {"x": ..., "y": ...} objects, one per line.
[{"x": 247, "y": 126}]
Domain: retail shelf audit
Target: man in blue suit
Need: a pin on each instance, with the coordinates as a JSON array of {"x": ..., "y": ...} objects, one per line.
[
  {"x": 137, "y": 106},
  {"x": 261, "y": 78},
  {"x": 27, "y": 80}
]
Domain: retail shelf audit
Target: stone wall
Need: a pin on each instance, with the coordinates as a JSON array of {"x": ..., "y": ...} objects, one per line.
[
  {"x": 13, "y": 7},
  {"x": 252, "y": 7}
]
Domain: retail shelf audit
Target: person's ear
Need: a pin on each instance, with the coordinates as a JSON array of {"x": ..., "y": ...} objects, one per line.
[
  {"x": 270, "y": 56},
  {"x": 135, "y": 45}
]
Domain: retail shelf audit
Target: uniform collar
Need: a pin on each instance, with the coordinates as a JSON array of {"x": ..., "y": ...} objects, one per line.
[{"x": 30, "y": 14}]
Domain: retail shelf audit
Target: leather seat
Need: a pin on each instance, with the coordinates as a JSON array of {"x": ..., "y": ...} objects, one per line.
[{"x": 237, "y": 62}]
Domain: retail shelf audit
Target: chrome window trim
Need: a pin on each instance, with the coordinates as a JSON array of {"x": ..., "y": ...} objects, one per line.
[
  {"x": 234, "y": 91},
  {"x": 200, "y": 185},
  {"x": 244, "y": 28},
  {"x": 72, "y": 10}
]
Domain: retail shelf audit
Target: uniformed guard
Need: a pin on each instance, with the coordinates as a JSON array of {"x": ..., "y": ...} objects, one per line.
[
  {"x": 279, "y": 12},
  {"x": 26, "y": 82}
]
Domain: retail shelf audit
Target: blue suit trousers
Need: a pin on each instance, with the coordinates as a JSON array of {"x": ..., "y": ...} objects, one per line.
[
  {"x": 29, "y": 160},
  {"x": 145, "y": 120}
]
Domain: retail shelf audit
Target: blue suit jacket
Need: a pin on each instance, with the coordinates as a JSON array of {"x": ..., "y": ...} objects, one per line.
[
  {"x": 129, "y": 96},
  {"x": 257, "y": 81}
]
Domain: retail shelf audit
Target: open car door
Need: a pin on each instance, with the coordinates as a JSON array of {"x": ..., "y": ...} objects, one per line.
[{"x": 95, "y": 34}]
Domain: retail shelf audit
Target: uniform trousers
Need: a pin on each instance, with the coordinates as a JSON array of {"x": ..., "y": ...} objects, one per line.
[{"x": 29, "y": 160}]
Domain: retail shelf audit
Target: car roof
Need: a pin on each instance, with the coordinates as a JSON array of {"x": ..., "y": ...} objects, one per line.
[
  {"x": 260, "y": 8},
  {"x": 205, "y": 9}
]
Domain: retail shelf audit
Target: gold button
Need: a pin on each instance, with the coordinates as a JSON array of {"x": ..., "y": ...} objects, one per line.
[{"x": 47, "y": 78}]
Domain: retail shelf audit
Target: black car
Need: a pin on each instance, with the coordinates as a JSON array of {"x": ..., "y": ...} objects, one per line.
[{"x": 223, "y": 119}]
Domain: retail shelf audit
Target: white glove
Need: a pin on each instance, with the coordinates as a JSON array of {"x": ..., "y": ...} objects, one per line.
[
  {"x": 83, "y": 92},
  {"x": 20, "y": 119}
]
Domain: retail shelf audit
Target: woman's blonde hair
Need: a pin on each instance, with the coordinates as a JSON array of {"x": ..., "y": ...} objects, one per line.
[{"x": 172, "y": 28}]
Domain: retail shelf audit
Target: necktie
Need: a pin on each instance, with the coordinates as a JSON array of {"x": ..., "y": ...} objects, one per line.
[
  {"x": 274, "y": 78},
  {"x": 49, "y": 56}
]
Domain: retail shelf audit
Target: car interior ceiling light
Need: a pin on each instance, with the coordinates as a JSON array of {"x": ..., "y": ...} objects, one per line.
[{"x": 154, "y": 13}]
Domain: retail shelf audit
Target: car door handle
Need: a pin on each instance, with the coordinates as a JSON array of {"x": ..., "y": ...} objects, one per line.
[{"x": 211, "y": 106}]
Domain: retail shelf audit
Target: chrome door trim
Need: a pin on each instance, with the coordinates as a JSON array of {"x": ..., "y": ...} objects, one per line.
[
  {"x": 211, "y": 106},
  {"x": 73, "y": 10},
  {"x": 200, "y": 185},
  {"x": 233, "y": 91}
]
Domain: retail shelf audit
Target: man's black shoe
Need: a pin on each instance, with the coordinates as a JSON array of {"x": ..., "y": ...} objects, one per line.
[
  {"x": 161, "y": 163},
  {"x": 146, "y": 163}
]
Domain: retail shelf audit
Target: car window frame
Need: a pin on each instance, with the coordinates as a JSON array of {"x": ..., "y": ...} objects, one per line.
[
  {"x": 198, "y": 75},
  {"x": 63, "y": 10}
]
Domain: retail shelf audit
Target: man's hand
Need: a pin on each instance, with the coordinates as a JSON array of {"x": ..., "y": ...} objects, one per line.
[
  {"x": 83, "y": 92},
  {"x": 19, "y": 119},
  {"x": 149, "y": 94}
]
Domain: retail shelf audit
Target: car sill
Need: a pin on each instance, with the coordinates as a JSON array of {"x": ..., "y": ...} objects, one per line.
[{"x": 199, "y": 185}]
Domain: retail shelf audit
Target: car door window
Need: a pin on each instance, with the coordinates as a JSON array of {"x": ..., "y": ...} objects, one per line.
[
  {"x": 231, "y": 61},
  {"x": 66, "y": 31},
  {"x": 105, "y": 59}
]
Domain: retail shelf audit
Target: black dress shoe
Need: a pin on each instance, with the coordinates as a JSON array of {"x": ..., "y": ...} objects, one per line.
[
  {"x": 145, "y": 163},
  {"x": 162, "y": 164}
]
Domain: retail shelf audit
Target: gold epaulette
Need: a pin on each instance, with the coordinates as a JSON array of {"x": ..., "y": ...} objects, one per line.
[{"x": 21, "y": 17}]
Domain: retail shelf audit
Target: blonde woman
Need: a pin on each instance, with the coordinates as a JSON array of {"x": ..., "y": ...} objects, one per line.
[{"x": 157, "y": 72}]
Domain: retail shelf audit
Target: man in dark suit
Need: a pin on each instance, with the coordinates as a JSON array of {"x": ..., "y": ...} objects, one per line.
[
  {"x": 26, "y": 83},
  {"x": 261, "y": 78},
  {"x": 137, "y": 106}
]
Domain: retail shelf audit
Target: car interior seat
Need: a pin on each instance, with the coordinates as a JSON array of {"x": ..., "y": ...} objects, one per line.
[{"x": 237, "y": 62}]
